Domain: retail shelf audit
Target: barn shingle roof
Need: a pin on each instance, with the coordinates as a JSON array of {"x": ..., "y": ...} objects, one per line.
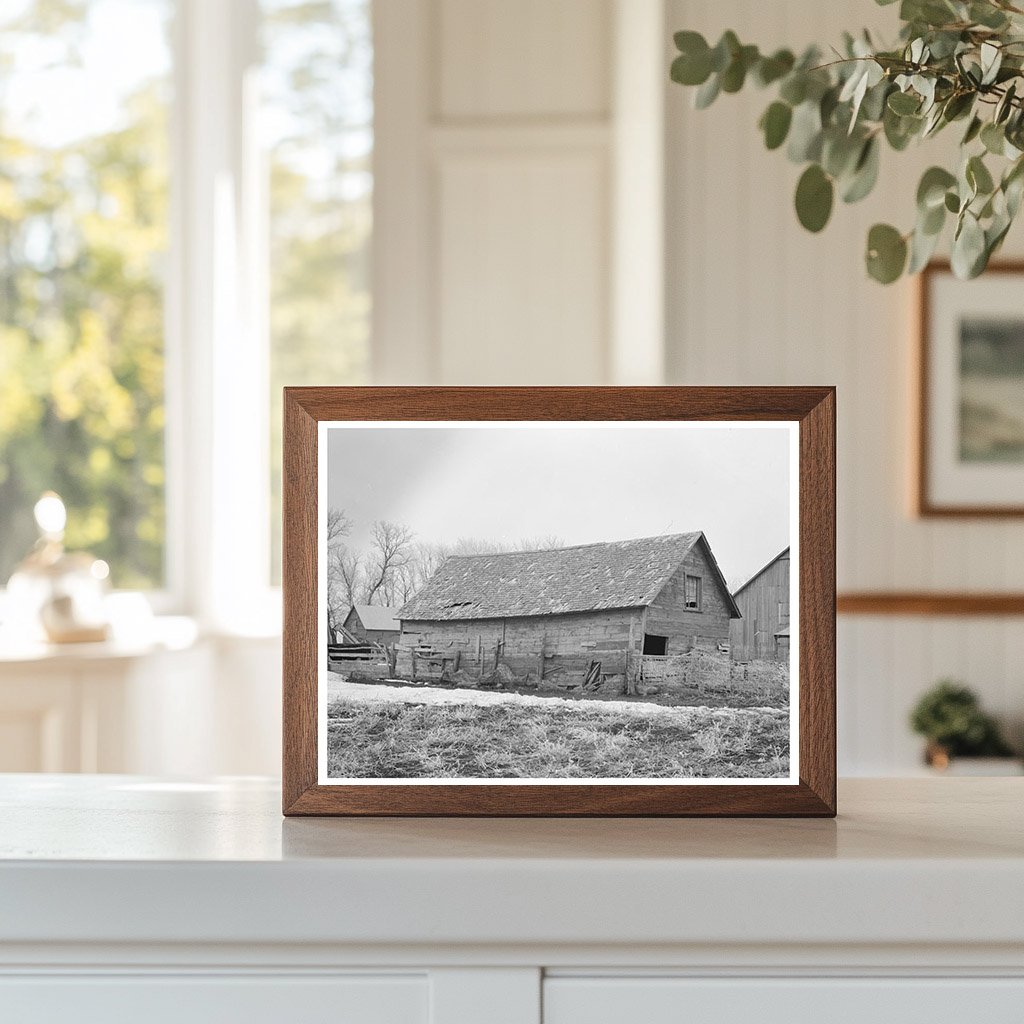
[{"x": 589, "y": 577}]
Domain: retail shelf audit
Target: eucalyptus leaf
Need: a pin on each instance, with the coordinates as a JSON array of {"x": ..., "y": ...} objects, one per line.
[
  {"x": 900, "y": 130},
  {"x": 1013, "y": 187},
  {"x": 904, "y": 103},
  {"x": 991, "y": 60},
  {"x": 688, "y": 70},
  {"x": 814, "y": 196},
  {"x": 931, "y": 190},
  {"x": 794, "y": 88},
  {"x": 886, "y": 253},
  {"x": 865, "y": 173},
  {"x": 973, "y": 130},
  {"x": 775, "y": 124},
  {"x": 978, "y": 176},
  {"x": 724, "y": 51},
  {"x": 957, "y": 106},
  {"x": 968, "y": 252},
  {"x": 922, "y": 247},
  {"x": 932, "y": 221},
  {"x": 873, "y": 106},
  {"x": 1005, "y": 105},
  {"x": 771, "y": 69},
  {"x": 987, "y": 15},
  {"x": 735, "y": 74},
  {"x": 707, "y": 93},
  {"x": 993, "y": 138},
  {"x": 805, "y": 133},
  {"x": 840, "y": 152}
]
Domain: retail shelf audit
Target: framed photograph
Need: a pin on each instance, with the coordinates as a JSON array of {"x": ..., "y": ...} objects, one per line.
[
  {"x": 970, "y": 451},
  {"x": 559, "y": 601}
]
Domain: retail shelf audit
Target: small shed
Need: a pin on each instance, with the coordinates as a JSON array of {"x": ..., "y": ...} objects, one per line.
[
  {"x": 763, "y": 631},
  {"x": 567, "y": 608},
  {"x": 374, "y": 623}
]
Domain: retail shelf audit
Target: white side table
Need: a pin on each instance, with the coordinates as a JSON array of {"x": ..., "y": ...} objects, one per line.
[{"x": 94, "y": 707}]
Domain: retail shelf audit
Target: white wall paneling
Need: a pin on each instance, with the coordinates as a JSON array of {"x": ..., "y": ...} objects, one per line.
[
  {"x": 751, "y": 298},
  {"x": 522, "y": 281},
  {"x": 514, "y": 169},
  {"x": 638, "y": 225}
]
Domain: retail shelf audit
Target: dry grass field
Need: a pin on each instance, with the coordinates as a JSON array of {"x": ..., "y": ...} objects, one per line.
[{"x": 510, "y": 740}]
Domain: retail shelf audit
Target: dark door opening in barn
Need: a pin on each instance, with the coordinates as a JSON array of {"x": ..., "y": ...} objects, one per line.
[{"x": 654, "y": 644}]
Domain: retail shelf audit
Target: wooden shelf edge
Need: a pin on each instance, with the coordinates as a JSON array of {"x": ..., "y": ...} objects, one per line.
[{"x": 928, "y": 603}]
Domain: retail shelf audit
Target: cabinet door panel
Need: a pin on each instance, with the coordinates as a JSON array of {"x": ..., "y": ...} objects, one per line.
[
  {"x": 782, "y": 1001},
  {"x": 202, "y": 999}
]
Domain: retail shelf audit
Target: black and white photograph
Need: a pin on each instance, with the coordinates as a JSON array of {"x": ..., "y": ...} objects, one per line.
[{"x": 605, "y": 602}]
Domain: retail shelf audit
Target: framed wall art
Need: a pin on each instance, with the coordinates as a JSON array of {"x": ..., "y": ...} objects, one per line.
[
  {"x": 970, "y": 445},
  {"x": 559, "y": 601}
]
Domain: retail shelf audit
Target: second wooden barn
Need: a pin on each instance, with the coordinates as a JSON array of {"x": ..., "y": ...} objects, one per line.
[
  {"x": 563, "y": 609},
  {"x": 763, "y": 631},
  {"x": 373, "y": 622}
]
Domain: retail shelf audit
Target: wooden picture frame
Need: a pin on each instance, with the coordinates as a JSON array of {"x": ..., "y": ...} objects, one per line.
[
  {"x": 927, "y": 503},
  {"x": 810, "y": 409}
]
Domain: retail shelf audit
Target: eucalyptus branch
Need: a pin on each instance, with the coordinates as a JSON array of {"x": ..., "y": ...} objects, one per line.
[{"x": 955, "y": 59}]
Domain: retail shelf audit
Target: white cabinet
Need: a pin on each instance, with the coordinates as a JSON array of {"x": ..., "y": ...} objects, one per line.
[
  {"x": 133, "y": 899},
  {"x": 202, "y": 999},
  {"x": 829, "y": 1000}
]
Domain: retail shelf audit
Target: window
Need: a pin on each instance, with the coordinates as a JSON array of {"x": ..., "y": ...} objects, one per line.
[
  {"x": 692, "y": 596},
  {"x": 227, "y": 149},
  {"x": 783, "y": 615},
  {"x": 654, "y": 644},
  {"x": 83, "y": 238},
  {"x": 317, "y": 120}
]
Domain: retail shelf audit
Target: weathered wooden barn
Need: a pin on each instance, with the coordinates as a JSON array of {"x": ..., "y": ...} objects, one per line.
[
  {"x": 593, "y": 608},
  {"x": 763, "y": 631},
  {"x": 374, "y": 623}
]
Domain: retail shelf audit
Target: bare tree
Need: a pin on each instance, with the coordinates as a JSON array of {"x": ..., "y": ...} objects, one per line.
[
  {"x": 395, "y": 568},
  {"x": 338, "y": 525},
  {"x": 340, "y": 591},
  {"x": 478, "y": 546},
  {"x": 389, "y": 558}
]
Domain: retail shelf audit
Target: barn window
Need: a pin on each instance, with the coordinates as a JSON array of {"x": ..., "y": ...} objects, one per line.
[
  {"x": 693, "y": 593},
  {"x": 783, "y": 611},
  {"x": 654, "y": 644}
]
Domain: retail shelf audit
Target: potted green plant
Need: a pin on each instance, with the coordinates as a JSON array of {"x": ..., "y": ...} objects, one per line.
[
  {"x": 956, "y": 62},
  {"x": 950, "y": 718}
]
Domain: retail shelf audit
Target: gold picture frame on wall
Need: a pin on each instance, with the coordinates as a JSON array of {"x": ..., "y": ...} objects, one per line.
[{"x": 970, "y": 383}]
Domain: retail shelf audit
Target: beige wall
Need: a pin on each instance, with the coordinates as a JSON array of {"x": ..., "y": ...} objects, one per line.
[{"x": 753, "y": 299}]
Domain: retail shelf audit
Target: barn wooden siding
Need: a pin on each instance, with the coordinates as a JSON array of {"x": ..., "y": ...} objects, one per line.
[
  {"x": 667, "y": 615},
  {"x": 379, "y": 636},
  {"x": 567, "y": 645},
  {"x": 761, "y": 601}
]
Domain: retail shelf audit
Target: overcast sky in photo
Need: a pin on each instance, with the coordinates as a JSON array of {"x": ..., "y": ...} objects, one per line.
[{"x": 580, "y": 484}]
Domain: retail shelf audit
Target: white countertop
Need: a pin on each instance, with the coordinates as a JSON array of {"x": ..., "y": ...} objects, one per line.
[{"x": 122, "y": 859}]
